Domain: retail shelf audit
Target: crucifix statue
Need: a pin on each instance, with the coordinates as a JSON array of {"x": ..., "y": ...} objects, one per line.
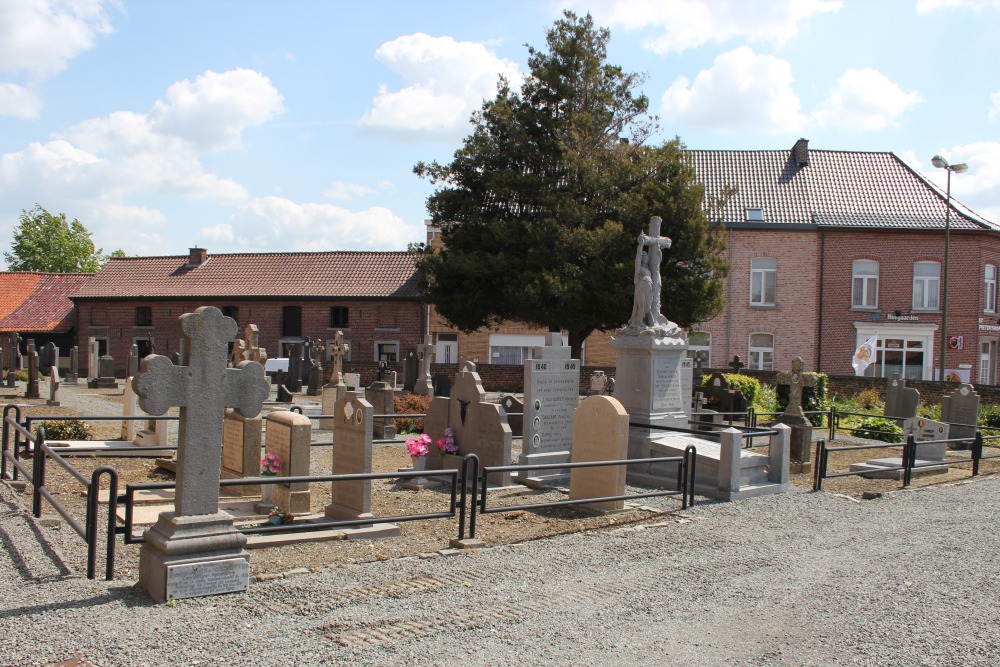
[
  {"x": 646, "y": 317},
  {"x": 796, "y": 380},
  {"x": 203, "y": 388}
]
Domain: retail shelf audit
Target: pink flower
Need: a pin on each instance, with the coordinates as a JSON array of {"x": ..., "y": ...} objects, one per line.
[
  {"x": 418, "y": 446},
  {"x": 446, "y": 445},
  {"x": 270, "y": 464}
]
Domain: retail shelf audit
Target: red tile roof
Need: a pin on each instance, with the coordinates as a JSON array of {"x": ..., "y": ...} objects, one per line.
[
  {"x": 366, "y": 275},
  {"x": 836, "y": 188},
  {"x": 45, "y": 305}
]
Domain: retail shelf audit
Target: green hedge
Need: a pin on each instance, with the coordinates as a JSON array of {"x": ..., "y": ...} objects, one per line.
[{"x": 813, "y": 398}]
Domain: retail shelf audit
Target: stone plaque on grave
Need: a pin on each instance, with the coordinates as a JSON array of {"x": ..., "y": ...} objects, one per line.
[
  {"x": 960, "y": 409},
  {"x": 551, "y": 395},
  {"x": 192, "y": 580},
  {"x": 923, "y": 430},
  {"x": 241, "y": 438},
  {"x": 515, "y": 414},
  {"x": 352, "y": 431},
  {"x": 289, "y": 436}
]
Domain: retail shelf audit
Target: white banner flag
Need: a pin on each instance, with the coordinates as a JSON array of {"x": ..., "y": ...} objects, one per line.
[{"x": 864, "y": 355}]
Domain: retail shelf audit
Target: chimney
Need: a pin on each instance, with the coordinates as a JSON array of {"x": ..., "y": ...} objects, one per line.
[
  {"x": 197, "y": 256},
  {"x": 801, "y": 152}
]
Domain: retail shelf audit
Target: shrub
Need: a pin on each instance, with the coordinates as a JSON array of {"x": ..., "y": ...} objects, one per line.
[
  {"x": 22, "y": 375},
  {"x": 767, "y": 399},
  {"x": 878, "y": 428},
  {"x": 813, "y": 398},
  {"x": 747, "y": 385},
  {"x": 868, "y": 399},
  {"x": 68, "y": 429},
  {"x": 989, "y": 416},
  {"x": 932, "y": 411},
  {"x": 410, "y": 404}
]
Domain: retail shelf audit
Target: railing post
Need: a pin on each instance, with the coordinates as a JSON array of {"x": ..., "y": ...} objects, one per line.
[
  {"x": 93, "y": 493},
  {"x": 475, "y": 489},
  {"x": 909, "y": 459},
  {"x": 831, "y": 421},
  {"x": 977, "y": 452},
  {"x": 38, "y": 473}
]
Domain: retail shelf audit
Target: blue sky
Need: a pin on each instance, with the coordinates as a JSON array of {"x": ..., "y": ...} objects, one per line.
[{"x": 253, "y": 126}]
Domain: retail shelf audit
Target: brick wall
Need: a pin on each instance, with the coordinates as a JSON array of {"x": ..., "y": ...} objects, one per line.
[{"x": 369, "y": 322}]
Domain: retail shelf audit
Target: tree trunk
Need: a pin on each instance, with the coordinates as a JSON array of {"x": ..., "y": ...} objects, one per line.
[{"x": 576, "y": 338}]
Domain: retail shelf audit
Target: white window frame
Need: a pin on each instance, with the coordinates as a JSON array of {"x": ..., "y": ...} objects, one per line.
[
  {"x": 763, "y": 275},
  {"x": 927, "y": 287},
  {"x": 705, "y": 350},
  {"x": 760, "y": 358},
  {"x": 924, "y": 333},
  {"x": 990, "y": 288},
  {"x": 864, "y": 284},
  {"x": 379, "y": 343}
]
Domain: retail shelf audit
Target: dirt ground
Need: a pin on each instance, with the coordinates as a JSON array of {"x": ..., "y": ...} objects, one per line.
[{"x": 390, "y": 499}]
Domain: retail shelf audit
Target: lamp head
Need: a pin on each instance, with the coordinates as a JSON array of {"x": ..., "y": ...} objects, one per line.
[
  {"x": 939, "y": 162},
  {"x": 959, "y": 168}
]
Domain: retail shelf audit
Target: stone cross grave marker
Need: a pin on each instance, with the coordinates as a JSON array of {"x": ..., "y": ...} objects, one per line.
[
  {"x": 338, "y": 351},
  {"x": 424, "y": 385},
  {"x": 796, "y": 380},
  {"x": 254, "y": 351},
  {"x": 736, "y": 364},
  {"x": 32, "y": 390},
  {"x": 203, "y": 390},
  {"x": 195, "y": 550}
]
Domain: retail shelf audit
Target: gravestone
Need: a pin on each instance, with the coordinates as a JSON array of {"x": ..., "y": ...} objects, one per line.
[
  {"x": 284, "y": 394},
  {"x": 13, "y": 344},
  {"x": 195, "y": 550},
  {"x": 931, "y": 457},
  {"x": 480, "y": 427},
  {"x": 49, "y": 357},
  {"x": 72, "y": 377},
  {"x": 336, "y": 388},
  {"x": 598, "y": 383},
  {"x": 900, "y": 401},
  {"x": 236, "y": 354},
  {"x": 723, "y": 398},
  {"x": 514, "y": 409},
  {"x": 960, "y": 409},
  {"x": 551, "y": 396},
  {"x": 32, "y": 390},
  {"x": 380, "y": 394},
  {"x": 801, "y": 436},
  {"x": 105, "y": 374},
  {"x": 53, "y": 387},
  {"x": 352, "y": 431},
  {"x": 737, "y": 364},
  {"x": 130, "y": 408},
  {"x": 289, "y": 436},
  {"x": 424, "y": 385},
  {"x": 600, "y": 433},
  {"x": 294, "y": 381},
  {"x": 353, "y": 381},
  {"x": 93, "y": 359},
  {"x": 132, "y": 364},
  {"x": 315, "y": 378},
  {"x": 254, "y": 351},
  {"x": 241, "y": 438}
]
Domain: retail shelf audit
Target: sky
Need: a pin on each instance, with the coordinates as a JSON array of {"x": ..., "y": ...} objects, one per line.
[{"x": 259, "y": 126}]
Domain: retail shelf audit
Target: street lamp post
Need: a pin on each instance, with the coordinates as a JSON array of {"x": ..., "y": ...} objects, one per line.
[{"x": 941, "y": 163}]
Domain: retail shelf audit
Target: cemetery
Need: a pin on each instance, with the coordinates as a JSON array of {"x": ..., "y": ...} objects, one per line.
[{"x": 218, "y": 473}]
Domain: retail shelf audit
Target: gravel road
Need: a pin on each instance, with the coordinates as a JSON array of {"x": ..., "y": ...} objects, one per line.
[{"x": 796, "y": 579}]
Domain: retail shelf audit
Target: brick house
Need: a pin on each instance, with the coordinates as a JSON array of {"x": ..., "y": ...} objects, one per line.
[
  {"x": 38, "y": 307},
  {"x": 826, "y": 248},
  {"x": 373, "y": 297}
]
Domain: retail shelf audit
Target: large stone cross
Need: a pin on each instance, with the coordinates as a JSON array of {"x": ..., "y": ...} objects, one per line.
[
  {"x": 736, "y": 364},
  {"x": 425, "y": 350},
  {"x": 796, "y": 380},
  {"x": 203, "y": 390},
  {"x": 338, "y": 351}
]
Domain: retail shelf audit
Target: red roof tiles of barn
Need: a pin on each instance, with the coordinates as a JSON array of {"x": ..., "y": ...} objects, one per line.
[
  {"x": 835, "y": 188},
  {"x": 365, "y": 275},
  {"x": 44, "y": 304}
]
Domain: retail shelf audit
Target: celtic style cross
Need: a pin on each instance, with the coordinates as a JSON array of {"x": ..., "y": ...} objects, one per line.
[
  {"x": 338, "y": 351},
  {"x": 203, "y": 389},
  {"x": 796, "y": 380}
]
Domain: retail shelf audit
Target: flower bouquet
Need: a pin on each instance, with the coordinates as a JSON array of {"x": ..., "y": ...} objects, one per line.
[
  {"x": 446, "y": 445},
  {"x": 279, "y": 517},
  {"x": 270, "y": 466}
]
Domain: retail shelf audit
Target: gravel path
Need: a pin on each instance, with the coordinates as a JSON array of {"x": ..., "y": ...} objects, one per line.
[{"x": 796, "y": 579}]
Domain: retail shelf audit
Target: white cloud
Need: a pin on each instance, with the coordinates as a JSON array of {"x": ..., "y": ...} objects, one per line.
[
  {"x": 264, "y": 221},
  {"x": 865, "y": 100},
  {"x": 927, "y": 6},
  {"x": 18, "y": 101},
  {"x": 213, "y": 111},
  {"x": 37, "y": 39},
  {"x": 742, "y": 91},
  {"x": 995, "y": 107},
  {"x": 444, "y": 82},
  {"x": 347, "y": 191},
  {"x": 686, "y": 24}
]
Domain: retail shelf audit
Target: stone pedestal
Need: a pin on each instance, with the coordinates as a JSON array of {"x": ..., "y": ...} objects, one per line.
[
  {"x": 653, "y": 384},
  {"x": 380, "y": 394},
  {"x": 191, "y": 556},
  {"x": 800, "y": 445}
]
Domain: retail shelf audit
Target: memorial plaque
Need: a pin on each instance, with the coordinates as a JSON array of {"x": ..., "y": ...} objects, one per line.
[
  {"x": 552, "y": 397},
  {"x": 232, "y": 446},
  {"x": 666, "y": 384},
  {"x": 192, "y": 580},
  {"x": 924, "y": 430},
  {"x": 279, "y": 441}
]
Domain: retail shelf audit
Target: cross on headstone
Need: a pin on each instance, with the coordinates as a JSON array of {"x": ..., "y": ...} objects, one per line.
[
  {"x": 338, "y": 351},
  {"x": 796, "y": 380},
  {"x": 203, "y": 390},
  {"x": 736, "y": 364}
]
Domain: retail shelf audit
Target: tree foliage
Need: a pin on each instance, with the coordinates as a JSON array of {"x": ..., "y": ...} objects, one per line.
[
  {"x": 47, "y": 242},
  {"x": 540, "y": 208}
]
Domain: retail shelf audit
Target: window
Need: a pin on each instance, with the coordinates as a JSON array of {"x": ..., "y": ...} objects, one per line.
[
  {"x": 145, "y": 347},
  {"x": 387, "y": 351},
  {"x": 864, "y": 292},
  {"x": 700, "y": 347},
  {"x": 763, "y": 280},
  {"x": 291, "y": 321},
  {"x": 761, "y": 352},
  {"x": 338, "y": 317},
  {"x": 755, "y": 214},
  {"x": 509, "y": 354},
  {"x": 143, "y": 316},
  {"x": 231, "y": 311},
  {"x": 990, "y": 288},
  {"x": 926, "y": 279}
]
